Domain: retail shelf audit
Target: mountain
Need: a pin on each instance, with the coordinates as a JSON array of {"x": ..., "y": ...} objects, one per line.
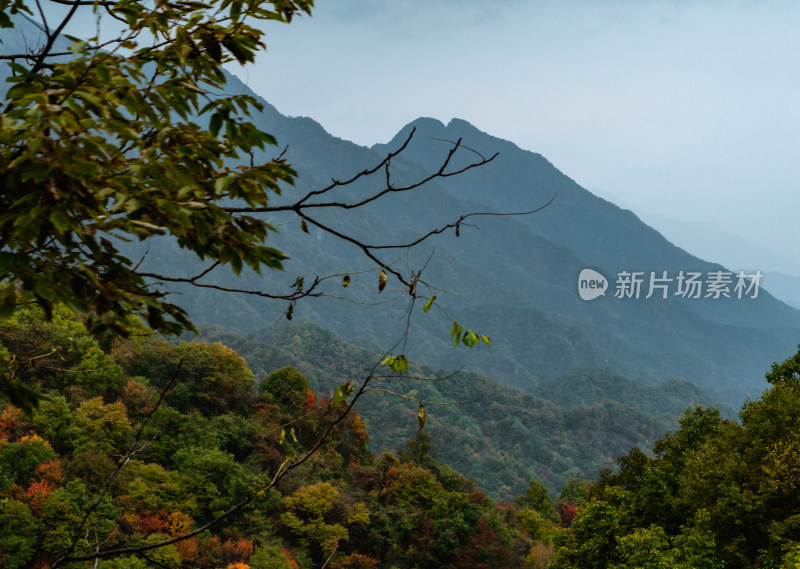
[
  {"x": 517, "y": 276},
  {"x": 514, "y": 279},
  {"x": 571, "y": 426},
  {"x": 783, "y": 286}
]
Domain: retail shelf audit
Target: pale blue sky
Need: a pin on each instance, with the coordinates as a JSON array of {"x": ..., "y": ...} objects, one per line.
[{"x": 685, "y": 109}]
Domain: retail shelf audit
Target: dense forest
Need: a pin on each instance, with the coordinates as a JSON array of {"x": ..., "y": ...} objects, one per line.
[
  {"x": 567, "y": 427},
  {"x": 152, "y": 441},
  {"x": 715, "y": 493}
]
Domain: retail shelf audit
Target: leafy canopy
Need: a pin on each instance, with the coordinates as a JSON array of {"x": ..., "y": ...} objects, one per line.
[{"x": 128, "y": 138}]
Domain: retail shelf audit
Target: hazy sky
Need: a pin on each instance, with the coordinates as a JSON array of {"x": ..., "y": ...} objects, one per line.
[{"x": 688, "y": 109}]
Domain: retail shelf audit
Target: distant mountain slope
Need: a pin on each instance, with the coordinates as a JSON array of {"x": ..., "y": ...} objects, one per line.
[
  {"x": 591, "y": 386},
  {"x": 514, "y": 265},
  {"x": 785, "y": 287},
  {"x": 502, "y": 437},
  {"x": 515, "y": 277},
  {"x": 713, "y": 241}
]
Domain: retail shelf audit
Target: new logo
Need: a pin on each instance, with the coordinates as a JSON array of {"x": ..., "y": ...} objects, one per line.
[{"x": 591, "y": 284}]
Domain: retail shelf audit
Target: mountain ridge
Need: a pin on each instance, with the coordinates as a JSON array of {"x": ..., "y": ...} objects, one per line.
[{"x": 511, "y": 269}]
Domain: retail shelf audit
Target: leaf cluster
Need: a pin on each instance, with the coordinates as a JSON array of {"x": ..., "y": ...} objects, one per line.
[{"x": 106, "y": 143}]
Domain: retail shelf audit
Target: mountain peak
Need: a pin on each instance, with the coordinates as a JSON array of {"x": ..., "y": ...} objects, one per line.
[{"x": 461, "y": 125}]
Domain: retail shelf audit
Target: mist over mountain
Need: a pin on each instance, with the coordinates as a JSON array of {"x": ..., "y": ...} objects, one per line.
[
  {"x": 513, "y": 278},
  {"x": 710, "y": 241}
]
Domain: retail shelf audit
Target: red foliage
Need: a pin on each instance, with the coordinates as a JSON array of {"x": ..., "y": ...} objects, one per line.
[
  {"x": 152, "y": 522},
  {"x": 36, "y": 494},
  {"x": 50, "y": 471},
  {"x": 364, "y": 478},
  {"x": 391, "y": 475},
  {"x": 237, "y": 550},
  {"x": 40, "y": 487},
  {"x": 311, "y": 400},
  {"x": 477, "y": 497},
  {"x": 290, "y": 558},
  {"x": 10, "y": 420},
  {"x": 567, "y": 514},
  {"x": 136, "y": 397}
]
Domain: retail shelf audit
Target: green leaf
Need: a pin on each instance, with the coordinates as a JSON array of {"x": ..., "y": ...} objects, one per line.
[
  {"x": 342, "y": 392},
  {"x": 215, "y": 124},
  {"x": 8, "y": 305},
  {"x": 222, "y": 183},
  {"x": 457, "y": 336},
  {"x": 59, "y": 220},
  {"x": 429, "y": 304},
  {"x": 470, "y": 338},
  {"x": 397, "y": 363},
  {"x": 213, "y": 47},
  {"x": 382, "y": 279}
]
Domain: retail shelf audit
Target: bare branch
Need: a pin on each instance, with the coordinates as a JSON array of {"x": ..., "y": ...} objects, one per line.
[
  {"x": 456, "y": 225},
  {"x": 300, "y": 204},
  {"x": 51, "y": 38},
  {"x": 296, "y": 295}
]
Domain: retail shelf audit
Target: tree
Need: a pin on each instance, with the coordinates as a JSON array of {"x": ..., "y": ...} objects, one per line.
[
  {"x": 132, "y": 137},
  {"x": 537, "y": 498},
  {"x": 17, "y": 533}
]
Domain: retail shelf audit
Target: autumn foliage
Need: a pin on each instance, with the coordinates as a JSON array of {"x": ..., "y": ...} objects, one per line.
[{"x": 215, "y": 440}]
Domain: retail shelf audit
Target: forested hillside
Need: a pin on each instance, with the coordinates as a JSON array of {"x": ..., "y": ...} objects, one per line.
[
  {"x": 155, "y": 441},
  {"x": 716, "y": 493},
  {"x": 501, "y": 436}
]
